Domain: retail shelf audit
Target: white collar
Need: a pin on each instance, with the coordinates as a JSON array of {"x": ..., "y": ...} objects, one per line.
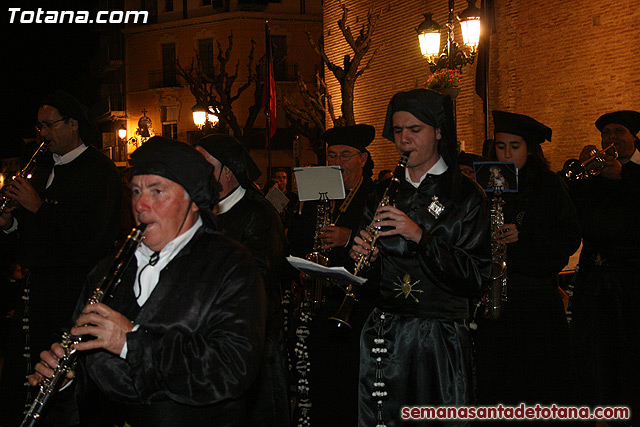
[
  {"x": 172, "y": 248},
  {"x": 230, "y": 201},
  {"x": 635, "y": 157},
  {"x": 69, "y": 157},
  {"x": 438, "y": 168}
]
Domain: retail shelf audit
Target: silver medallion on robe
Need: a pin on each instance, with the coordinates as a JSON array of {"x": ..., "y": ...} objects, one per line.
[{"x": 435, "y": 208}]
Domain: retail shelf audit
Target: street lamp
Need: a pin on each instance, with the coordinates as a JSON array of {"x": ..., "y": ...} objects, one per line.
[
  {"x": 470, "y": 25},
  {"x": 122, "y": 132},
  {"x": 199, "y": 115},
  {"x": 429, "y": 37},
  {"x": 203, "y": 114},
  {"x": 451, "y": 56},
  {"x": 212, "y": 117}
]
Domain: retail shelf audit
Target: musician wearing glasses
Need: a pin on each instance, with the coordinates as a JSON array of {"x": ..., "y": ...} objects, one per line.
[
  {"x": 244, "y": 215},
  {"x": 280, "y": 178},
  {"x": 181, "y": 340},
  {"x": 607, "y": 284},
  {"x": 434, "y": 254},
  {"x": 334, "y": 357},
  {"x": 64, "y": 219},
  {"x": 525, "y": 355}
]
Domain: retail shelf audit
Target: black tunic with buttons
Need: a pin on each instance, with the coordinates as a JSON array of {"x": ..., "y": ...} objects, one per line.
[{"x": 421, "y": 312}]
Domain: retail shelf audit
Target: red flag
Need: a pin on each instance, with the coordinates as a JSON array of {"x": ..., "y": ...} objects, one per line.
[{"x": 269, "y": 90}]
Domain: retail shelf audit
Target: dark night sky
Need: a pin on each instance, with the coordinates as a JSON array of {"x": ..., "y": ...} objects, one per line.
[{"x": 41, "y": 58}]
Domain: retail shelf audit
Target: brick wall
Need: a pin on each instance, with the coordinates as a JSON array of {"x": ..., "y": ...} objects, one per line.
[{"x": 563, "y": 63}]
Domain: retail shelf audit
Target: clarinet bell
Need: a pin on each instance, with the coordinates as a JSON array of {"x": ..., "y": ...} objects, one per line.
[{"x": 340, "y": 320}]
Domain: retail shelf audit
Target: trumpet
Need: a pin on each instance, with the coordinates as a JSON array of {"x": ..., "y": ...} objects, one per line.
[
  {"x": 575, "y": 170},
  {"x": 25, "y": 172},
  {"x": 342, "y": 316},
  {"x": 105, "y": 289}
]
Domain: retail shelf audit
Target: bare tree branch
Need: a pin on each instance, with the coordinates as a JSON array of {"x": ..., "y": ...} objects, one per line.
[
  {"x": 216, "y": 88},
  {"x": 350, "y": 70}
]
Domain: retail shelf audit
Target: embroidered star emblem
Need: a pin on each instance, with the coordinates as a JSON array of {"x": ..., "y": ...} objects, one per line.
[
  {"x": 405, "y": 287},
  {"x": 598, "y": 260}
]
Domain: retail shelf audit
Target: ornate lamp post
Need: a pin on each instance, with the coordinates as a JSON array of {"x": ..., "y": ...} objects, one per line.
[
  {"x": 452, "y": 55},
  {"x": 199, "y": 115},
  {"x": 203, "y": 115}
]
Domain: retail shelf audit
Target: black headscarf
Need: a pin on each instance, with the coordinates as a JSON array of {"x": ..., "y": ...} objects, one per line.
[
  {"x": 431, "y": 108},
  {"x": 180, "y": 163},
  {"x": 233, "y": 155},
  {"x": 69, "y": 107}
]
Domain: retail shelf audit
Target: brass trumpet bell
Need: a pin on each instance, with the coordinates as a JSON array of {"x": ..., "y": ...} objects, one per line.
[{"x": 575, "y": 170}]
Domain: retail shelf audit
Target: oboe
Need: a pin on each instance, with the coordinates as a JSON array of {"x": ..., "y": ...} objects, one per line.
[
  {"x": 105, "y": 288},
  {"x": 341, "y": 318}
]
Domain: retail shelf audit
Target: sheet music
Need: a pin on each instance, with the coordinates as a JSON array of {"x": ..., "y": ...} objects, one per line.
[
  {"x": 338, "y": 274},
  {"x": 313, "y": 181},
  {"x": 277, "y": 198}
]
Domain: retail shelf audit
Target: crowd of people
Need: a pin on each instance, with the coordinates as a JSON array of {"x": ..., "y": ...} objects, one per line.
[{"x": 209, "y": 325}]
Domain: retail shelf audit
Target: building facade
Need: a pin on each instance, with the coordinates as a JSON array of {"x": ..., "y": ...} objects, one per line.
[{"x": 182, "y": 30}]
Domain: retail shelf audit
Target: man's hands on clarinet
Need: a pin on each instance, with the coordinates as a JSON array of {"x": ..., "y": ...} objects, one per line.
[
  {"x": 47, "y": 364},
  {"x": 108, "y": 327},
  {"x": 397, "y": 222}
]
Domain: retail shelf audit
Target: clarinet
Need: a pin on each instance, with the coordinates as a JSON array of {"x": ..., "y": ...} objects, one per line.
[
  {"x": 25, "y": 172},
  {"x": 105, "y": 288},
  {"x": 341, "y": 318}
]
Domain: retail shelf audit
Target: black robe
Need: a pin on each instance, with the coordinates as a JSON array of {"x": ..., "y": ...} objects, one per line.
[
  {"x": 254, "y": 222},
  {"x": 333, "y": 355},
  {"x": 418, "y": 330},
  {"x": 525, "y": 355},
  {"x": 607, "y": 290},
  {"x": 198, "y": 347},
  {"x": 76, "y": 225}
]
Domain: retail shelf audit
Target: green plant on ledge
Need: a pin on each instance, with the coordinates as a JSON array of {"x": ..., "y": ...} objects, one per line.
[{"x": 443, "y": 78}]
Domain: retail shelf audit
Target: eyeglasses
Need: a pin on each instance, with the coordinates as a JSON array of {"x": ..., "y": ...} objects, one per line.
[
  {"x": 345, "y": 157},
  {"x": 47, "y": 125}
]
